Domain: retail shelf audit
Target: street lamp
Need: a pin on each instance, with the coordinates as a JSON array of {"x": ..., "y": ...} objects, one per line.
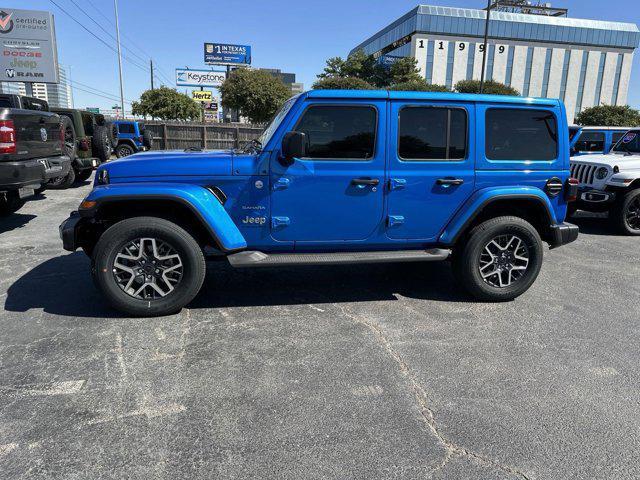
[{"x": 486, "y": 36}]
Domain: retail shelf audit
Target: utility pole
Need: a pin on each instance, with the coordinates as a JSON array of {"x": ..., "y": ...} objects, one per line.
[
  {"x": 484, "y": 48},
  {"x": 115, "y": 6},
  {"x": 151, "y": 63}
]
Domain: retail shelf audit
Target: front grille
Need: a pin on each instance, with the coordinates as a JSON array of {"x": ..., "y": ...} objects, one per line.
[{"x": 584, "y": 172}]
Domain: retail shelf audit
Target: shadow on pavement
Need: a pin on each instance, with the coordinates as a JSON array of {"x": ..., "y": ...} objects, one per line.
[
  {"x": 593, "y": 223},
  {"x": 13, "y": 221},
  {"x": 63, "y": 286}
]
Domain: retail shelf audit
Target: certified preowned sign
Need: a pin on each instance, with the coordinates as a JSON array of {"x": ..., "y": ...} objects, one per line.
[
  {"x": 202, "y": 95},
  {"x": 27, "y": 46},
  {"x": 199, "y": 78}
]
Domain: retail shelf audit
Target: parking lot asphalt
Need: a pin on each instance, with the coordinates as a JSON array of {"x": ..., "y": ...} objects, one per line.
[{"x": 380, "y": 371}]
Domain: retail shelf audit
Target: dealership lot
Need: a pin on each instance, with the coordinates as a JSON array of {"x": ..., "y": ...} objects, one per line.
[{"x": 358, "y": 371}]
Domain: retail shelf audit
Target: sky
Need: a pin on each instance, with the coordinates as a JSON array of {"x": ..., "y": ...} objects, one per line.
[{"x": 292, "y": 35}]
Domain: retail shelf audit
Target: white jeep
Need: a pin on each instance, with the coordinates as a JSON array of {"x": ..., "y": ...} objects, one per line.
[{"x": 611, "y": 183}]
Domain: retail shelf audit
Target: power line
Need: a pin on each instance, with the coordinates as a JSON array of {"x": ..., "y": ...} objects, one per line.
[
  {"x": 98, "y": 90},
  {"x": 108, "y": 97}
]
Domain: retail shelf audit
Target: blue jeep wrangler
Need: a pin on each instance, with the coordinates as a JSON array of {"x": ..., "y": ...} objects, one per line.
[
  {"x": 132, "y": 138},
  {"x": 339, "y": 177}
]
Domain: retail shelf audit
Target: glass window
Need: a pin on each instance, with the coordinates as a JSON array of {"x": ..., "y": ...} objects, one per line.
[
  {"x": 630, "y": 142},
  {"x": 590, "y": 142},
  {"x": 616, "y": 136},
  {"x": 335, "y": 132},
  {"x": 432, "y": 133},
  {"x": 126, "y": 128},
  {"x": 87, "y": 121},
  {"x": 5, "y": 103},
  {"x": 520, "y": 134}
]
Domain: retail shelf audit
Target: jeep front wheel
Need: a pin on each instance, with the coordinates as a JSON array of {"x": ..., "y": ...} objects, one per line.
[
  {"x": 500, "y": 260},
  {"x": 627, "y": 216},
  {"x": 148, "y": 266}
]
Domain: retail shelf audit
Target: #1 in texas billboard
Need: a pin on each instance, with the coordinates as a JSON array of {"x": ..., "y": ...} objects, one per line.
[{"x": 227, "y": 54}]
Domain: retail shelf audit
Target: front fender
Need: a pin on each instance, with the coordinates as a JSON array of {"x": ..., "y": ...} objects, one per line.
[
  {"x": 484, "y": 197},
  {"x": 198, "y": 199}
]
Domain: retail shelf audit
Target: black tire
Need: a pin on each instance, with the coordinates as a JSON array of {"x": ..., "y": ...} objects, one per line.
[
  {"x": 83, "y": 175},
  {"x": 60, "y": 183},
  {"x": 124, "y": 150},
  {"x": 467, "y": 261},
  {"x": 626, "y": 214},
  {"x": 122, "y": 233},
  {"x": 147, "y": 139},
  {"x": 113, "y": 134},
  {"x": 10, "y": 203},
  {"x": 100, "y": 143},
  {"x": 70, "y": 146}
]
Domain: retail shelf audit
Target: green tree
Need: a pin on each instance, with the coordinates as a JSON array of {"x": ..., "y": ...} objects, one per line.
[
  {"x": 419, "y": 86},
  {"x": 342, "y": 83},
  {"x": 254, "y": 93},
  {"x": 609, "y": 116},
  {"x": 404, "y": 70},
  {"x": 166, "y": 104},
  {"x": 490, "y": 87}
]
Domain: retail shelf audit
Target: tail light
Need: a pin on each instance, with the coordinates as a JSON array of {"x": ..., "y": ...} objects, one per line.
[
  {"x": 84, "y": 144},
  {"x": 7, "y": 137},
  {"x": 571, "y": 192},
  {"x": 140, "y": 138}
]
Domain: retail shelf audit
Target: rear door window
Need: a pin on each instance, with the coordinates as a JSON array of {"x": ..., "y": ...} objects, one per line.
[
  {"x": 590, "y": 142},
  {"x": 519, "y": 134},
  {"x": 432, "y": 133}
]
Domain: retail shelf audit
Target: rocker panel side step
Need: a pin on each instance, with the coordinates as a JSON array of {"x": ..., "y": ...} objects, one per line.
[{"x": 260, "y": 259}]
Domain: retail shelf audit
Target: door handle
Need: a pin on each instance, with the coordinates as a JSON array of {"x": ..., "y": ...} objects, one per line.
[
  {"x": 365, "y": 181},
  {"x": 449, "y": 181}
]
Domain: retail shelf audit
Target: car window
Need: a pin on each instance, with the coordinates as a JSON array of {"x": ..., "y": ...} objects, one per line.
[
  {"x": 590, "y": 142},
  {"x": 616, "y": 136},
  {"x": 520, "y": 134},
  {"x": 630, "y": 142},
  {"x": 5, "y": 103},
  {"x": 126, "y": 128},
  {"x": 335, "y": 132},
  {"x": 432, "y": 133},
  {"x": 87, "y": 121}
]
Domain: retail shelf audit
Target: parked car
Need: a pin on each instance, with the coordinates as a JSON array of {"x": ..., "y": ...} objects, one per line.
[
  {"x": 611, "y": 183},
  {"x": 340, "y": 177},
  {"x": 132, "y": 137},
  {"x": 89, "y": 138},
  {"x": 31, "y": 149},
  {"x": 594, "y": 140}
]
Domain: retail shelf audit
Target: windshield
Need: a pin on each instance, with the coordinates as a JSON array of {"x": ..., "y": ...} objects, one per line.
[
  {"x": 275, "y": 123},
  {"x": 629, "y": 143}
]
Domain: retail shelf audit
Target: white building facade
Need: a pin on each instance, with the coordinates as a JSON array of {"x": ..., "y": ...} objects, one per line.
[{"x": 582, "y": 62}]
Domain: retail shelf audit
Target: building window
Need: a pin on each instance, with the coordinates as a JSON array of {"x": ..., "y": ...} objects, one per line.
[
  {"x": 565, "y": 74},
  {"x": 616, "y": 80},
  {"x": 596, "y": 98},
  {"x": 432, "y": 133},
  {"x": 490, "y": 57},
  {"x": 470, "y": 59},
  {"x": 520, "y": 134},
  {"x": 429, "y": 72},
  {"x": 527, "y": 72},
  {"x": 547, "y": 70},
  {"x": 583, "y": 74},
  {"x": 590, "y": 142},
  {"x": 450, "y": 52},
  {"x": 509, "y": 72},
  {"x": 339, "y": 132}
]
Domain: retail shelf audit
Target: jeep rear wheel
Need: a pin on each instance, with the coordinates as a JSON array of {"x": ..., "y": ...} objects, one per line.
[
  {"x": 500, "y": 260},
  {"x": 124, "y": 150},
  {"x": 148, "y": 266},
  {"x": 627, "y": 216}
]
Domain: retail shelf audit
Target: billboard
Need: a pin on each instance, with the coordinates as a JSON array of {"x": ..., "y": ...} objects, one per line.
[
  {"x": 227, "y": 54},
  {"x": 29, "y": 52},
  {"x": 202, "y": 95},
  {"x": 199, "y": 78}
]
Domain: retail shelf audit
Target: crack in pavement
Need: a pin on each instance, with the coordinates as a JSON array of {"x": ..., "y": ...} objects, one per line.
[{"x": 422, "y": 398}]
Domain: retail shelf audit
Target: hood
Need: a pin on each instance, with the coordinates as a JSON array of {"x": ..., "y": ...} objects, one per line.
[
  {"x": 610, "y": 160},
  {"x": 172, "y": 163}
]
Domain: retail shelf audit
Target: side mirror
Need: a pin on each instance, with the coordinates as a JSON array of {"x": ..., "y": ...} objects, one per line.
[{"x": 294, "y": 145}]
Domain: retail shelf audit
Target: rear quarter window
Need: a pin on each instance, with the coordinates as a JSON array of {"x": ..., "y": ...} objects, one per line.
[
  {"x": 127, "y": 128},
  {"x": 521, "y": 134}
]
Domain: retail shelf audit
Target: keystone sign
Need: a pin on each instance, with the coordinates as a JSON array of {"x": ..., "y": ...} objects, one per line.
[
  {"x": 28, "y": 42},
  {"x": 226, "y": 54},
  {"x": 199, "y": 78},
  {"x": 202, "y": 95}
]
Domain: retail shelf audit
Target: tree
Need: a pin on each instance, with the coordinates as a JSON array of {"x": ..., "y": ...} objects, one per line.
[
  {"x": 419, "y": 86},
  {"x": 609, "y": 116},
  {"x": 254, "y": 93},
  {"x": 166, "y": 104},
  {"x": 490, "y": 87},
  {"x": 342, "y": 83},
  {"x": 404, "y": 70}
]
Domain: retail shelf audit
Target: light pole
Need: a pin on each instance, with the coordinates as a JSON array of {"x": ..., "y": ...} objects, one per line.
[
  {"x": 484, "y": 45},
  {"x": 115, "y": 6}
]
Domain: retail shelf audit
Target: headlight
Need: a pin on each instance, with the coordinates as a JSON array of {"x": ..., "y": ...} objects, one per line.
[
  {"x": 103, "y": 177},
  {"x": 602, "y": 173}
]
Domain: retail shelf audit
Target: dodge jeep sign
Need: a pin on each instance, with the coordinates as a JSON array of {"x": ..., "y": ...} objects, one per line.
[{"x": 28, "y": 46}]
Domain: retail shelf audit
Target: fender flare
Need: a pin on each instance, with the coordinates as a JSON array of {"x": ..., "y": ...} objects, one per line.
[
  {"x": 199, "y": 200},
  {"x": 482, "y": 198},
  {"x": 129, "y": 142}
]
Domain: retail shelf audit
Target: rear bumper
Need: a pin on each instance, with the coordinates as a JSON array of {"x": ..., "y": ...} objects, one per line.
[
  {"x": 57, "y": 167},
  {"x": 562, "y": 234},
  {"x": 86, "y": 163},
  {"x": 67, "y": 231},
  {"x": 24, "y": 173}
]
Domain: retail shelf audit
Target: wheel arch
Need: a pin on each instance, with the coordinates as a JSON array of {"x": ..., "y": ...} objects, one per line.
[{"x": 127, "y": 141}]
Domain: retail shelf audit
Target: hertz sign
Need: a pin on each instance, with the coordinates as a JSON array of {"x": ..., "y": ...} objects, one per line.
[{"x": 202, "y": 95}]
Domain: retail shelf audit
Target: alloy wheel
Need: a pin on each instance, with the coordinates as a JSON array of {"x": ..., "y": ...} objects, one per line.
[
  {"x": 632, "y": 215},
  {"x": 504, "y": 261}
]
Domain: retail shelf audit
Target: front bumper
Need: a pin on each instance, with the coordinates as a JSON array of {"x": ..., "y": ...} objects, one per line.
[
  {"x": 562, "y": 234},
  {"x": 68, "y": 232}
]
